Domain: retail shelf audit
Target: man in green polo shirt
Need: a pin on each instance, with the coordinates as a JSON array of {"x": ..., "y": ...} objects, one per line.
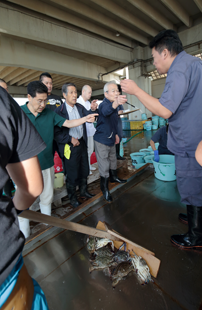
[{"x": 44, "y": 121}]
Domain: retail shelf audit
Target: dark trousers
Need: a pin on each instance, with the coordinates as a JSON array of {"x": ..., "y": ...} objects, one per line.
[
  {"x": 189, "y": 180},
  {"x": 77, "y": 167}
]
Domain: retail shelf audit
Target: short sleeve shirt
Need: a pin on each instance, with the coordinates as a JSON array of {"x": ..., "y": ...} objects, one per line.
[
  {"x": 44, "y": 123},
  {"x": 182, "y": 95},
  {"x": 54, "y": 102},
  {"x": 19, "y": 141}
]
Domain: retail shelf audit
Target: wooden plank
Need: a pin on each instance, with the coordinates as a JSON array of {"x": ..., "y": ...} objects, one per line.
[
  {"x": 152, "y": 261},
  {"x": 50, "y": 220},
  {"x": 86, "y": 202}
]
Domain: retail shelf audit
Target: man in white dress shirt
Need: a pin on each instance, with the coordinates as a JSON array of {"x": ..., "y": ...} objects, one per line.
[{"x": 84, "y": 100}]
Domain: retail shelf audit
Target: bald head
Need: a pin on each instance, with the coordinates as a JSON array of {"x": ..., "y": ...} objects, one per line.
[
  {"x": 86, "y": 92},
  {"x": 3, "y": 84}
]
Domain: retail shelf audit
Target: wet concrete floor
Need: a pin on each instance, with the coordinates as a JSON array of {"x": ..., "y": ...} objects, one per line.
[{"x": 144, "y": 211}]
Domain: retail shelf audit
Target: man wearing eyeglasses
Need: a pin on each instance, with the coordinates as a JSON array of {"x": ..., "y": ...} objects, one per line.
[{"x": 44, "y": 121}]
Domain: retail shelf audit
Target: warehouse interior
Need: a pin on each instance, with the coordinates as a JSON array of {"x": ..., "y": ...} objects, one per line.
[{"x": 92, "y": 42}]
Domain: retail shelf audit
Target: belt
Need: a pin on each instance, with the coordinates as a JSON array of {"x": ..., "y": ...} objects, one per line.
[{"x": 21, "y": 296}]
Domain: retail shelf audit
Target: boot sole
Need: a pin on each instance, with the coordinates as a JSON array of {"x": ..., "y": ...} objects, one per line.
[
  {"x": 186, "y": 247},
  {"x": 183, "y": 221}
]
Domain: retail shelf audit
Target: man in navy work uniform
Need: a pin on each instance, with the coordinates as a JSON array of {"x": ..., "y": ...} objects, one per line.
[
  {"x": 20, "y": 144},
  {"x": 106, "y": 137},
  {"x": 160, "y": 136},
  {"x": 76, "y": 165},
  {"x": 181, "y": 104}
]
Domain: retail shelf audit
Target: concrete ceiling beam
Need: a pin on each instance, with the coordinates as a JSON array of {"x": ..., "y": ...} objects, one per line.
[
  {"x": 199, "y": 4},
  {"x": 101, "y": 18},
  {"x": 64, "y": 16},
  {"x": 58, "y": 79},
  {"x": 178, "y": 11},
  {"x": 152, "y": 13},
  {"x": 1, "y": 69},
  {"x": 21, "y": 76},
  {"x": 127, "y": 16},
  {"x": 14, "y": 74},
  {"x": 6, "y": 71},
  {"x": 30, "y": 78},
  {"x": 22, "y": 54}
]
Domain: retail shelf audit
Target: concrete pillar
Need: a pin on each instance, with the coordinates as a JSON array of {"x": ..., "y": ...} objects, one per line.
[{"x": 144, "y": 83}]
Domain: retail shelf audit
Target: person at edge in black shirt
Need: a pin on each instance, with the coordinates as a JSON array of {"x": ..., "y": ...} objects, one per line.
[
  {"x": 20, "y": 144},
  {"x": 54, "y": 101}
]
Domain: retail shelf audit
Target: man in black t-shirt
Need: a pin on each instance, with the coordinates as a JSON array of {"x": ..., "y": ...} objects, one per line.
[
  {"x": 54, "y": 101},
  {"x": 19, "y": 145}
]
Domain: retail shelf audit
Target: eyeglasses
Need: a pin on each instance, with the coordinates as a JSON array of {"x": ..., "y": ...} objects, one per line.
[{"x": 42, "y": 102}]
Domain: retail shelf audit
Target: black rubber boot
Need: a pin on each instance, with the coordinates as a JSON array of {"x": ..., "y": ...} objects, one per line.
[
  {"x": 118, "y": 156},
  {"x": 192, "y": 239},
  {"x": 71, "y": 190},
  {"x": 83, "y": 189},
  {"x": 104, "y": 188},
  {"x": 183, "y": 218},
  {"x": 114, "y": 178}
]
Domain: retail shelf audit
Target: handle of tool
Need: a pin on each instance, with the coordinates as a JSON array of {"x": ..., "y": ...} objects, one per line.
[{"x": 53, "y": 221}]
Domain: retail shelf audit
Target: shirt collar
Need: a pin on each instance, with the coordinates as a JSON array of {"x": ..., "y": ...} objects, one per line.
[
  {"x": 26, "y": 108},
  {"x": 81, "y": 98},
  {"x": 177, "y": 58},
  {"x": 69, "y": 108}
]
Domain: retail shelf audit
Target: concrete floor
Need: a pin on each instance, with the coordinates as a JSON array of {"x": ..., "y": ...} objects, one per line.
[{"x": 144, "y": 211}]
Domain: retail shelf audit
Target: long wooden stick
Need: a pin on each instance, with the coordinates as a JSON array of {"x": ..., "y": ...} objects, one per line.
[{"x": 50, "y": 220}]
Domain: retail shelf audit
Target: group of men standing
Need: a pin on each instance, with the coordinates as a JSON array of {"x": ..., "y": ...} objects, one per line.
[{"x": 74, "y": 141}]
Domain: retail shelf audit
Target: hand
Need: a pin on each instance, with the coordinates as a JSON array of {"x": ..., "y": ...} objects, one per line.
[
  {"x": 117, "y": 140},
  {"x": 75, "y": 142},
  {"x": 156, "y": 156},
  {"x": 94, "y": 105},
  {"x": 90, "y": 118},
  {"x": 121, "y": 99},
  {"x": 129, "y": 87}
]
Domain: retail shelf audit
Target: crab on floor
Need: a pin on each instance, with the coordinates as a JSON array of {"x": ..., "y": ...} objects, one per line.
[
  {"x": 122, "y": 255},
  {"x": 141, "y": 268},
  {"x": 121, "y": 271},
  {"x": 101, "y": 263},
  {"x": 91, "y": 242},
  {"x": 100, "y": 243}
]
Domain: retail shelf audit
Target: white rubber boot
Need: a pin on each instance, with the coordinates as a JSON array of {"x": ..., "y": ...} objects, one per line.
[
  {"x": 45, "y": 209},
  {"x": 24, "y": 226}
]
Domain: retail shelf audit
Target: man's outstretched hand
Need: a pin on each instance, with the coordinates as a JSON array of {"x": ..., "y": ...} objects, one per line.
[
  {"x": 94, "y": 104},
  {"x": 129, "y": 87},
  {"x": 90, "y": 118},
  {"x": 121, "y": 99}
]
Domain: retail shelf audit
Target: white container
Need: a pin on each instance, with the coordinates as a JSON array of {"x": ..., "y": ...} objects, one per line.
[
  {"x": 24, "y": 226},
  {"x": 59, "y": 180}
]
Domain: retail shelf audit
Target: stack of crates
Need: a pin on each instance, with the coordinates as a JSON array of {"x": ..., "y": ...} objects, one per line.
[{"x": 136, "y": 125}]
